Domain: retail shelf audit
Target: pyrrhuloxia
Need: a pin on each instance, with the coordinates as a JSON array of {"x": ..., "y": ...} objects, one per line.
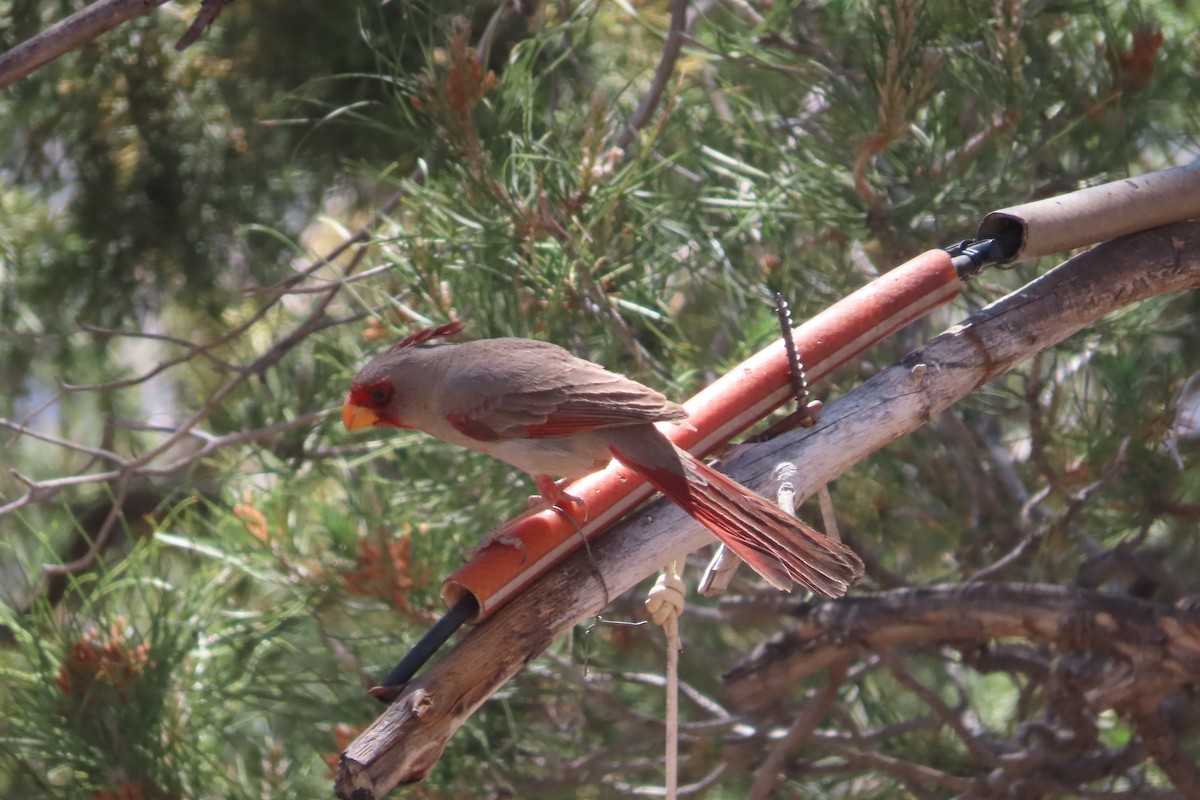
[{"x": 551, "y": 414}]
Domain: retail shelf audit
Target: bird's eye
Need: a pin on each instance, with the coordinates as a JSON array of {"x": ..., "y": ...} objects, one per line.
[{"x": 380, "y": 395}]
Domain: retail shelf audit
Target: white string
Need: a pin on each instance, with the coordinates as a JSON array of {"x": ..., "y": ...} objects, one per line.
[{"x": 665, "y": 604}]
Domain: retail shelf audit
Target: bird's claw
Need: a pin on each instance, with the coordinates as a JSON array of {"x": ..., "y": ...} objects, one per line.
[{"x": 553, "y": 495}]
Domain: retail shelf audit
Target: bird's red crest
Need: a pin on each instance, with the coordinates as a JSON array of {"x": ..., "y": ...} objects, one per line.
[{"x": 427, "y": 334}]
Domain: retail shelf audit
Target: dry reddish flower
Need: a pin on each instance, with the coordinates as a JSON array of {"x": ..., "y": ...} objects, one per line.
[
  {"x": 126, "y": 790},
  {"x": 343, "y": 735},
  {"x": 375, "y": 330},
  {"x": 1135, "y": 66},
  {"x": 100, "y": 664},
  {"x": 375, "y": 577},
  {"x": 465, "y": 83},
  {"x": 254, "y": 520}
]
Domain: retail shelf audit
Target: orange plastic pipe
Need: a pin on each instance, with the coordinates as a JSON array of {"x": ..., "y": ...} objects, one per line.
[{"x": 721, "y": 411}]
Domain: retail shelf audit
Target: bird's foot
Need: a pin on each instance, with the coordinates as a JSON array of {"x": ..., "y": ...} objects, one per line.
[{"x": 553, "y": 495}]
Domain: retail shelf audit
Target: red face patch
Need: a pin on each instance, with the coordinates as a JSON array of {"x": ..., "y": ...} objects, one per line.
[{"x": 377, "y": 397}]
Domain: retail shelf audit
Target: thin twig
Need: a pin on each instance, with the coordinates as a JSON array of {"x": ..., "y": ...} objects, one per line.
[
  {"x": 346, "y": 659},
  {"x": 666, "y": 66},
  {"x": 912, "y": 775},
  {"x": 156, "y": 337},
  {"x": 45, "y": 489},
  {"x": 205, "y": 17},
  {"x": 362, "y": 276},
  {"x": 21, "y": 501},
  {"x": 483, "y": 49},
  {"x": 163, "y": 366},
  {"x": 37, "y": 411},
  {"x": 97, "y": 452},
  {"x": 799, "y": 732},
  {"x": 98, "y": 543},
  {"x": 981, "y": 750},
  {"x": 238, "y": 437}
]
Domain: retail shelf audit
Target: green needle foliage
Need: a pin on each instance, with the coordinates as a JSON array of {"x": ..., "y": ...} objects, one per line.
[{"x": 175, "y": 345}]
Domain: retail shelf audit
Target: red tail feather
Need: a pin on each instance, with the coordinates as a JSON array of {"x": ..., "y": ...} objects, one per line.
[{"x": 776, "y": 545}]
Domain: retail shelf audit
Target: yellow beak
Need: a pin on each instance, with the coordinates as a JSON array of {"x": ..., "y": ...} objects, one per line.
[{"x": 355, "y": 416}]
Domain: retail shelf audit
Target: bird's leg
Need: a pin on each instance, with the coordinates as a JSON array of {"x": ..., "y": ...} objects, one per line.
[{"x": 551, "y": 494}]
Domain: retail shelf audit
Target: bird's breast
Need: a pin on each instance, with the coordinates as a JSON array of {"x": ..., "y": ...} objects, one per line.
[
  {"x": 570, "y": 456},
  {"x": 561, "y": 457}
]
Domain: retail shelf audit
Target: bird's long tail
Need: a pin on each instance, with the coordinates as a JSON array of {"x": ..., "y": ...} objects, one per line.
[{"x": 776, "y": 545}]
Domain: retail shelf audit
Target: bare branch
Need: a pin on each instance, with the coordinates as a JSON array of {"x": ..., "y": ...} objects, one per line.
[
  {"x": 158, "y": 337},
  {"x": 282, "y": 289},
  {"x": 362, "y": 276},
  {"x": 21, "y": 501},
  {"x": 97, "y": 452},
  {"x": 130, "y": 469},
  {"x": 1156, "y": 639},
  {"x": 162, "y": 366},
  {"x": 884, "y": 732},
  {"x": 799, "y": 732},
  {"x": 264, "y": 434},
  {"x": 205, "y": 17},
  {"x": 46, "y": 489},
  {"x": 983, "y": 751},
  {"x": 1032, "y": 540},
  {"x": 1024, "y": 549},
  {"x": 1161, "y": 735},
  {"x": 914, "y": 776},
  {"x": 666, "y": 67},
  {"x": 70, "y": 34},
  {"x": 34, "y": 413},
  {"x": 505, "y": 10},
  {"x": 361, "y": 236},
  {"x": 99, "y": 542}
]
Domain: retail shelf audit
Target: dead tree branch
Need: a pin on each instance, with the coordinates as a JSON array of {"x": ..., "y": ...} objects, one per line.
[
  {"x": 1096, "y": 651},
  {"x": 70, "y": 34},
  {"x": 1161, "y": 643}
]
